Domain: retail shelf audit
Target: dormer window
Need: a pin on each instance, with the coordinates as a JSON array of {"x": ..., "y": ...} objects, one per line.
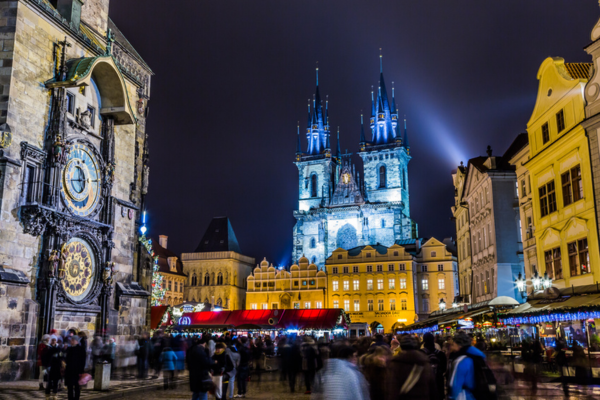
[{"x": 172, "y": 261}]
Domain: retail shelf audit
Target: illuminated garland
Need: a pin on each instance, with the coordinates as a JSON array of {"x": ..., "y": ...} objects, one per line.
[
  {"x": 158, "y": 291},
  {"x": 420, "y": 331},
  {"x": 568, "y": 314}
]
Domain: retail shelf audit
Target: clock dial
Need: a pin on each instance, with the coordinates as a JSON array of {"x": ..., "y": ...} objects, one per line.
[
  {"x": 81, "y": 180},
  {"x": 80, "y": 268}
]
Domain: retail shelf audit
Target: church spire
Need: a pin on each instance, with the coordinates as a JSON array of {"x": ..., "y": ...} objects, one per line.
[
  {"x": 299, "y": 145},
  {"x": 363, "y": 141},
  {"x": 318, "y": 130}
]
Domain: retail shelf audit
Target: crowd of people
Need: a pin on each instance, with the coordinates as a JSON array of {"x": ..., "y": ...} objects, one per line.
[{"x": 380, "y": 367}]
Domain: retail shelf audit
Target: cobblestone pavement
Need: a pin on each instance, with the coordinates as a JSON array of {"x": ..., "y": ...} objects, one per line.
[{"x": 268, "y": 389}]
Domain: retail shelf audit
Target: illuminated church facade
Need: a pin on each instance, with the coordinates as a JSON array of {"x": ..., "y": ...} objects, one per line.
[{"x": 340, "y": 207}]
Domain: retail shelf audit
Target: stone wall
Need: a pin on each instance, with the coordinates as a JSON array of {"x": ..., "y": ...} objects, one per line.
[{"x": 95, "y": 14}]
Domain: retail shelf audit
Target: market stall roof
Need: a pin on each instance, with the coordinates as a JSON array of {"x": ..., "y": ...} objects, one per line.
[
  {"x": 564, "y": 302},
  {"x": 206, "y": 319},
  {"x": 256, "y": 318},
  {"x": 456, "y": 317},
  {"x": 322, "y": 319},
  {"x": 156, "y": 315}
]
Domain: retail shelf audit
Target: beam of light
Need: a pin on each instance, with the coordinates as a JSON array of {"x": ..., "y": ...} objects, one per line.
[{"x": 443, "y": 140}]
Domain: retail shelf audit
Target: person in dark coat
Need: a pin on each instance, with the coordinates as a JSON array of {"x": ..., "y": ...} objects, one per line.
[
  {"x": 199, "y": 365},
  {"x": 439, "y": 364},
  {"x": 223, "y": 364},
  {"x": 409, "y": 373},
  {"x": 53, "y": 357},
  {"x": 143, "y": 354},
  {"x": 75, "y": 360},
  {"x": 310, "y": 354},
  {"x": 244, "y": 367}
]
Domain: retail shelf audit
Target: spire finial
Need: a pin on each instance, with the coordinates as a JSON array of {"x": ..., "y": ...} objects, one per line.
[
  {"x": 380, "y": 61},
  {"x": 326, "y": 102},
  {"x": 317, "y": 73},
  {"x": 361, "y": 117},
  {"x": 372, "y": 98},
  {"x": 392, "y": 89}
]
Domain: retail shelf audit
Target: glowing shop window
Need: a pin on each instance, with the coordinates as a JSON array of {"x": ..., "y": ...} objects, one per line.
[
  {"x": 336, "y": 304},
  {"x": 356, "y": 305},
  {"x": 254, "y": 306},
  {"x": 307, "y": 304},
  {"x": 356, "y": 284},
  {"x": 392, "y": 284},
  {"x": 346, "y": 305},
  {"x": 379, "y": 284},
  {"x": 346, "y": 285},
  {"x": 402, "y": 283},
  {"x": 318, "y": 304}
]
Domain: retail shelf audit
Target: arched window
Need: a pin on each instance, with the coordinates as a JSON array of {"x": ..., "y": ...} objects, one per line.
[
  {"x": 313, "y": 185},
  {"x": 382, "y": 177},
  {"x": 206, "y": 279},
  {"x": 194, "y": 280},
  {"x": 212, "y": 279},
  {"x": 314, "y": 260},
  {"x": 219, "y": 302},
  {"x": 383, "y": 223},
  {"x": 220, "y": 279},
  {"x": 313, "y": 243}
]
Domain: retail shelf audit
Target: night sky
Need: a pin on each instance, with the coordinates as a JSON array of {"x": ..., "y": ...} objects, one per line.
[{"x": 232, "y": 79}]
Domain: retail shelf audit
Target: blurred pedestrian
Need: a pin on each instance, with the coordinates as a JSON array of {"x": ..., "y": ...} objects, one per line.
[
  {"x": 310, "y": 354},
  {"x": 340, "y": 379},
  {"x": 374, "y": 366},
  {"x": 75, "y": 360},
  {"x": 409, "y": 374},
  {"x": 230, "y": 376},
  {"x": 223, "y": 364},
  {"x": 42, "y": 368},
  {"x": 468, "y": 369},
  {"x": 53, "y": 357},
  {"x": 243, "y": 368},
  {"x": 438, "y": 362},
  {"x": 168, "y": 359},
  {"x": 109, "y": 352},
  {"x": 199, "y": 365},
  {"x": 143, "y": 352}
]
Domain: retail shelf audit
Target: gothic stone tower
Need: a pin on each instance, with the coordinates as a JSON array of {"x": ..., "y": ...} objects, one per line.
[
  {"x": 73, "y": 176},
  {"x": 336, "y": 209}
]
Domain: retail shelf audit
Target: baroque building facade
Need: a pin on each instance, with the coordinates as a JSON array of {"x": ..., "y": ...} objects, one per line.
[
  {"x": 336, "y": 207},
  {"x": 73, "y": 176},
  {"x": 460, "y": 215},
  {"x": 302, "y": 287},
  {"x": 560, "y": 168},
  {"x": 171, "y": 269},
  {"x": 490, "y": 195},
  {"x": 217, "y": 271}
]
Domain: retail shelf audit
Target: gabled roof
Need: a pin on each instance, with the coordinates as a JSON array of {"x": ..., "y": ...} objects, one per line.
[
  {"x": 218, "y": 237},
  {"x": 519, "y": 143},
  {"x": 381, "y": 249},
  {"x": 122, "y": 40},
  {"x": 163, "y": 262}
]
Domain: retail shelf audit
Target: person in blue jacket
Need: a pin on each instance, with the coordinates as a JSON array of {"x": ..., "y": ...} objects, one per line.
[
  {"x": 462, "y": 376},
  {"x": 168, "y": 360}
]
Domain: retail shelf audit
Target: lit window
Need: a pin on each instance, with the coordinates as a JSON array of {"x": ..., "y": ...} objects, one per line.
[
  {"x": 404, "y": 305},
  {"x": 336, "y": 286},
  {"x": 402, "y": 283},
  {"x": 346, "y": 305},
  {"x": 579, "y": 258},
  {"x": 345, "y": 270},
  {"x": 380, "y": 304},
  {"x": 370, "y": 304},
  {"x": 307, "y": 304},
  {"x": 425, "y": 283},
  {"x": 441, "y": 284},
  {"x": 392, "y": 283},
  {"x": 304, "y": 283},
  {"x": 254, "y": 306},
  {"x": 369, "y": 284},
  {"x": 265, "y": 306},
  {"x": 380, "y": 268},
  {"x": 355, "y": 269},
  {"x": 391, "y": 267},
  {"x": 318, "y": 304},
  {"x": 369, "y": 268},
  {"x": 379, "y": 284},
  {"x": 334, "y": 270},
  {"x": 356, "y": 305},
  {"x": 393, "y": 304},
  {"x": 336, "y": 304},
  {"x": 440, "y": 267},
  {"x": 346, "y": 285},
  {"x": 356, "y": 284},
  {"x": 296, "y": 306}
]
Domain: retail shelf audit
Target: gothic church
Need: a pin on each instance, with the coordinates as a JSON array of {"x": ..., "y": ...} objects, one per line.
[{"x": 337, "y": 208}]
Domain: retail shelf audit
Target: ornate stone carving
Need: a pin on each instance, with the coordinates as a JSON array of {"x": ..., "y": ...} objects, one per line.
[
  {"x": 34, "y": 220},
  {"x": 29, "y": 152}
]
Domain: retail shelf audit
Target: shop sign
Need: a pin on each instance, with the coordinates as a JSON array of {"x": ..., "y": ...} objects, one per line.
[
  {"x": 464, "y": 324},
  {"x": 547, "y": 330}
]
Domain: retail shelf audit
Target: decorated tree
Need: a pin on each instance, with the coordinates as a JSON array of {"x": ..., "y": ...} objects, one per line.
[{"x": 158, "y": 291}]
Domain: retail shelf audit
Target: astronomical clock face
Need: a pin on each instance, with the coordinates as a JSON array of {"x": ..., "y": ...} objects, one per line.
[
  {"x": 81, "y": 180},
  {"x": 80, "y": 269}
]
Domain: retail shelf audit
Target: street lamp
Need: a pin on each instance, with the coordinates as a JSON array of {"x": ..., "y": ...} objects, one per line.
[
  {"x": 442, "y": 305},
  {"x": 521, "y": 284},
  {"x": 537, "y": 282},
  {"x": 547, "y": 282},
  {"x": 454, "y": 304}
]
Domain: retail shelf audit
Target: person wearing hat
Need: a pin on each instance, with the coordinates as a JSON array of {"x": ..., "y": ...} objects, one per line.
[
  {"x": 75, "y": 361},
  {"x": 409, "y": 373},
  {"x": 40, "y": 350}
]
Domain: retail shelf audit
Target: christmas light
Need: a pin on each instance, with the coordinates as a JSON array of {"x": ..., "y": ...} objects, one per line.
[{"x": 158, "y": 292}]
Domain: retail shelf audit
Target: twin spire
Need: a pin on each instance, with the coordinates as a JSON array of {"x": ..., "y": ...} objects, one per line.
[{"x": 384, "y": 122}]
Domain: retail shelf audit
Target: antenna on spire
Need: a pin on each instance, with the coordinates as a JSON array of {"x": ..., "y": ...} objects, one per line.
[
  {"x": 326, "y": 102},
  {"x": 372, "y": 98},
  {"x": 392, "y": 89},
  {"x": 361, "y": 117},
  {"x": 308, "y": 106},
  {"x": 380, "y": 61},
  {"x": 317, "y": 73},
  {"x": 314, "y": 102},
  {"x": 404, "y": 121}
]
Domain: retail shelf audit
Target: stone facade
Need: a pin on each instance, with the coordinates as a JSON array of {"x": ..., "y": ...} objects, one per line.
[
  {"x": 460, "y": 213},
  {"x": 302, "y": 287},
  {"x": 491, "y": 197},
  {"x": 49, "y": 105}
]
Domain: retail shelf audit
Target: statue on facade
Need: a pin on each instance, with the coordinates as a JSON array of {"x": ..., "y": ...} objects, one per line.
[
  {"x": 53, "y": 261},
  {"x": 108, "y": 273}
]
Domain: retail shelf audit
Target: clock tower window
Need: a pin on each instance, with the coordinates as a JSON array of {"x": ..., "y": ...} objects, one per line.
[
  {"x": 313, "y": 185},
  {"x": 382, "y": 177}
]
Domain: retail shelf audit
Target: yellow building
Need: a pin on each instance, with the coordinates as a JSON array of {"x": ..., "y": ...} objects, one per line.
[
  {"x": 171, "y": 270},
  {"x": 217, "y": 270},
  {"x": 437, "y": 276},
  {"x": 460, "y": 213},
  {"x": 303, "y": 287},
  {"x": 373, "y": 284},
  {"x": 561, "y": 180}
]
